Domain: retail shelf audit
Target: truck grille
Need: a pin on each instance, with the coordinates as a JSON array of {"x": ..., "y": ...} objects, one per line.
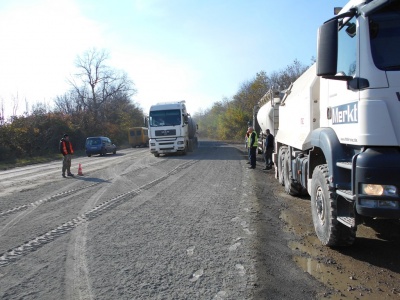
[{"x": 165, "y": 132}]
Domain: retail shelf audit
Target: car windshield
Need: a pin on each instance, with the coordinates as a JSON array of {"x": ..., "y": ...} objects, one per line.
[{"x": 384, "y": 30}]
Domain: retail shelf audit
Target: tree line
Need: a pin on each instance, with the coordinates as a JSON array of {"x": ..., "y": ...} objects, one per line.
[
  {"x": 99, "y": 102},
  {"x": 228, "y": 119}
]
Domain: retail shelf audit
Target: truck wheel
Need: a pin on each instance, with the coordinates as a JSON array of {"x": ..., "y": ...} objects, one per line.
[
  {"x": 156, "y": 155},
  {"x": 290, "y": 187},
  {"x": 190, "y": 146},
  {"x": 281, "y": 158},
  {"x": 184, "y": 151},
  {"x": 324, "y": 212}
]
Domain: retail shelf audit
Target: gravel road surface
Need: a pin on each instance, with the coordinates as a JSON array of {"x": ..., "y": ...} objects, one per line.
[{"x": 199, "y": 226}]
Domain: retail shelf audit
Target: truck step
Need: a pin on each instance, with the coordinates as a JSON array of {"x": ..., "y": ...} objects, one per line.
[
  {"x": 347, "y": 194},
  {"x": 347, "y": 221},
  {"x": 344, "y": 164}
]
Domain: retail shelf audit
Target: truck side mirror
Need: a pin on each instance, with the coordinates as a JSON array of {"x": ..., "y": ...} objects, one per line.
[{"x": 327, "y": 49}]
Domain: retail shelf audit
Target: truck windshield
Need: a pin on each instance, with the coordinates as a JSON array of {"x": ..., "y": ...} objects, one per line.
[
  {"x": 165, "y": 118},
  {"x": 384, "y": 30}
]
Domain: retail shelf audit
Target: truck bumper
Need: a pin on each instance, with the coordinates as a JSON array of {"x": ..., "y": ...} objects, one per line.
[
  {"x": 380, "y": 167},
  {"x": 163, "y": 146}
]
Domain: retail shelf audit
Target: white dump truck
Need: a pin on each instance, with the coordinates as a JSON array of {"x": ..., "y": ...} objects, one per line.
[
  {"x": 337, "y": 127},
  {"x": 171, "y": 129}
]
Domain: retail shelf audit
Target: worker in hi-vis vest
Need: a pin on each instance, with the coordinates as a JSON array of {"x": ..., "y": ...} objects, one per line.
[
  {"x": 66, "y": 150},
  {"x": 252, "y": 144}
]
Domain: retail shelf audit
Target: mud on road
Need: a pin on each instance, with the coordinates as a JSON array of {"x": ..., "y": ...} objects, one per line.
[{"x": 370, "y": 269}]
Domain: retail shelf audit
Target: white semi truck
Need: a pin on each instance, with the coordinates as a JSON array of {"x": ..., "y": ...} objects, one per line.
[
  {"x": 337, "y": 127},
  {"x": 171, "y": 129}
]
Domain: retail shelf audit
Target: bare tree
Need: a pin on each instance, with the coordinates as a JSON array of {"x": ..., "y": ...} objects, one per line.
[
  {"x": 69, "y": 103},
  {"x": 2, "y": 120},
  {"x": 281, "y": 80},
  {"x": 15, "y": 100},
  {"x": 95, "y": 83},
  {"x": 26, "y": 107}
]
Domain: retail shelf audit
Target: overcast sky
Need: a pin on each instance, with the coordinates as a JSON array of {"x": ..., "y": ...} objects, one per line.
[{"x": 197, "y": 50}]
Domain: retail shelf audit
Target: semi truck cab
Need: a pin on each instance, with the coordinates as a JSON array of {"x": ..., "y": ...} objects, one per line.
[
  {"x": 171, "y": 129},
  {"x": 361, "y": 84}
]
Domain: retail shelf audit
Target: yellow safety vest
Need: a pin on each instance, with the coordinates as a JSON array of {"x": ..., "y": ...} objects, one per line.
[{"x": 255, "y": 140}]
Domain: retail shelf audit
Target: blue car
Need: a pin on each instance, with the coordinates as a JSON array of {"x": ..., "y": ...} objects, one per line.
[{"x": 99, "y": 145}]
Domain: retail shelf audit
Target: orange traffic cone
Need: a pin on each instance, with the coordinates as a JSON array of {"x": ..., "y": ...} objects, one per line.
[{"x": 80, "y": 170}]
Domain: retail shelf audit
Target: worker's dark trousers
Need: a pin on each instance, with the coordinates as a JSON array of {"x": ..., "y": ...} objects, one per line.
[
  {"x": 253, "y": 156},
  {"x": 268, "y": 157}
]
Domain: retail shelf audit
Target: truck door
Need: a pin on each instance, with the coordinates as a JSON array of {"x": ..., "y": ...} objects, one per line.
[{"x": 342, "y": 103}]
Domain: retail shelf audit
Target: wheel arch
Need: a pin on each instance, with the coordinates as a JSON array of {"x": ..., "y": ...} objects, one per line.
[{"x": 327, "y": 149}]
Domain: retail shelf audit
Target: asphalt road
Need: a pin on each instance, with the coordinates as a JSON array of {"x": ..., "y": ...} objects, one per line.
[{"x": 199, "y": 226}]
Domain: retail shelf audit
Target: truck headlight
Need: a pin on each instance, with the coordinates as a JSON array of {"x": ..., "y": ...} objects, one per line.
[
  {"x": 180, "y": 142},
  {"x": 379, "y": 190}
]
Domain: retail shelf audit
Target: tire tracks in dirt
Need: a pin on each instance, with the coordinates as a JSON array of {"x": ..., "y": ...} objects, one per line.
[
  {"x": 78, "y": 285},
  {"x": 77, "y": 281},
  {"x": 33, "y": 205},
  {"x": 26, "y": 178}
]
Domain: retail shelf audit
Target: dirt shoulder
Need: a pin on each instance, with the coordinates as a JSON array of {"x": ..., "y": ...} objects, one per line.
[{"x": 370, "y": 269}]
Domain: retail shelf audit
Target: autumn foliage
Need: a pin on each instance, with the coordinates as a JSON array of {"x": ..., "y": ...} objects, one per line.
[
  {"x": 98, "y": 103},
  {"x": 228, "y": 119}
]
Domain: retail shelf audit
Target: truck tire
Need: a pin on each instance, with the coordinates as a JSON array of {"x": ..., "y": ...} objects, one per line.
[
  {"x": 291, "y": 187},
  {"x": 324, "y": 212},
  {"x": 156, "y": 155},
  {"x": 184, "y": 152},
  {"x": 280, "y": 164},
  {"x": 190, "y": 146}
]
